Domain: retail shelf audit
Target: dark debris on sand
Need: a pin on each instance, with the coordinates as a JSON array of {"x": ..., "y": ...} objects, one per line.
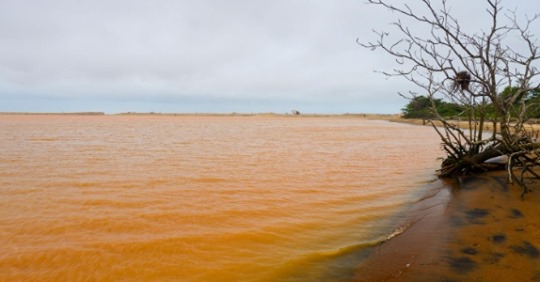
[
  {"x": 462, "y": 265},
  {"x": 527, "y": 249},
  {"x": 474, "y": 216}
]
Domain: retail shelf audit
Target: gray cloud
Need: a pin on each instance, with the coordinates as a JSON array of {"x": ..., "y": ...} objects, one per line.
[{"x": 193, "y": 56}]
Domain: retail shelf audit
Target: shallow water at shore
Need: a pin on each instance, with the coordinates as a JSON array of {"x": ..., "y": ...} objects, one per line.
[{"x": 203, "y": 198}]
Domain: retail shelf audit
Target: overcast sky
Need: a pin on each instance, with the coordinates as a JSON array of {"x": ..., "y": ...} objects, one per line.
[{"x": 197, "y": 56}]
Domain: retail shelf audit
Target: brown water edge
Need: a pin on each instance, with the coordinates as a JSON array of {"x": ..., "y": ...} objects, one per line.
[{"x": 477, "y": 229}]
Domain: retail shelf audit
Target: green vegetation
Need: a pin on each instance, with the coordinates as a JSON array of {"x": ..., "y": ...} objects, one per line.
[{"x": 421, "y": 107}]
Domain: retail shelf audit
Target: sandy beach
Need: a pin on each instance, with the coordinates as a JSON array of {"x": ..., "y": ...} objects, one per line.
[{"x": 474, "y": 229}]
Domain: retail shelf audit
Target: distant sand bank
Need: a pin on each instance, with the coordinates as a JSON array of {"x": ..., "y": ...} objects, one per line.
[
  {"x": 488, "y": 126},
  {"x": 476, "y": 230},
  {"x": 52, "y": 114}
]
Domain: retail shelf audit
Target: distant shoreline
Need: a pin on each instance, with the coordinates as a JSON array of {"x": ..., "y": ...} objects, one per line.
[
  {"x": 54, "y": 114},
  {"x": 353, "y": 115},
  {"x": 386, "y": 117}
]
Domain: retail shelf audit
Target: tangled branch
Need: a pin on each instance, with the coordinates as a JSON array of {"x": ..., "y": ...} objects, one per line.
[{"x": 471, "y": 69}]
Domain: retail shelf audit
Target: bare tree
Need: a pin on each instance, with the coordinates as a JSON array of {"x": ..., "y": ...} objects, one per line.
[{"x": 470, "y": 69}]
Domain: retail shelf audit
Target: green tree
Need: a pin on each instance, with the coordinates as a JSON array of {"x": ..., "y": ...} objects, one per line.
[
  {"x": 418, "y": 107},
  {"x": 422, "y": 107},
  {"x": 533, "y": 102}
]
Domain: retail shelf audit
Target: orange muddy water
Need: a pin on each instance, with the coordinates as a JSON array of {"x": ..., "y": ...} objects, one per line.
[{"x": 203, "y": 198}]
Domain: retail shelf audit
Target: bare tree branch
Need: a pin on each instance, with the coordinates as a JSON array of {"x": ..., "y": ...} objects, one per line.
[{"x": 470, "y": 69}]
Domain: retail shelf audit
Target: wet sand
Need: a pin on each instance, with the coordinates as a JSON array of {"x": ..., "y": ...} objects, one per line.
[{"x": 475, "y": 229}]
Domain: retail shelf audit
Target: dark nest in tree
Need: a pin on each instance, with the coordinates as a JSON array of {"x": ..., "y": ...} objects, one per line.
[{"x": 462, "y": 80}]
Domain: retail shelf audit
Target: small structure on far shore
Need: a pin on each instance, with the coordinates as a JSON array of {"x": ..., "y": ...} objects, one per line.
[{"x": 295, "y": 112}]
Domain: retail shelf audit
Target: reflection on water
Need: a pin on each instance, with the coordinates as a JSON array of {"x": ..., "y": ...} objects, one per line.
[{"x": 200, "y": 198}]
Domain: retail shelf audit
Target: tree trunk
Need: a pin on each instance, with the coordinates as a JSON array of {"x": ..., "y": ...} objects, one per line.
[{"x": 464, "y": 165}]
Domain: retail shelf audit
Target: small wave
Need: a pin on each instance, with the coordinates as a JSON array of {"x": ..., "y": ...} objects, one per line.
[
  {"x": 336, "y": 258},
  {"x": 343, "y": 251},
  {"x": 398, "y": 231},
  {"x": 401, "y": 229},
  {"x": 364, "y": 245},
  {"x": 434, "y": 192}
]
